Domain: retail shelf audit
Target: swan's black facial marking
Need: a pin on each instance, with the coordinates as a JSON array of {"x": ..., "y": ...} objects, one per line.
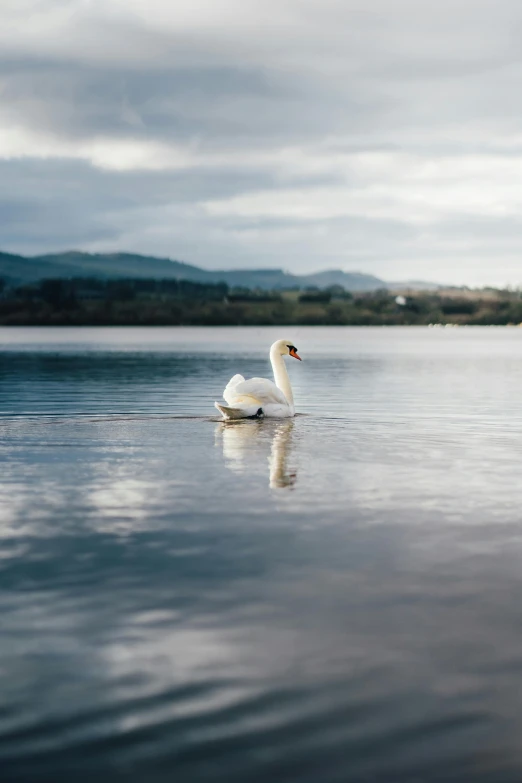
[{"x": 292, "y": 350}]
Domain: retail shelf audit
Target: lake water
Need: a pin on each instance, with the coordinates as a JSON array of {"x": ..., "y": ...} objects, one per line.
[{"x": 335, "y": 598}]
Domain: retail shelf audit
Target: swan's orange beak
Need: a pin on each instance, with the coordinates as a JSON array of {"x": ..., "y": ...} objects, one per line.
[{"x": 294, "y": 353}]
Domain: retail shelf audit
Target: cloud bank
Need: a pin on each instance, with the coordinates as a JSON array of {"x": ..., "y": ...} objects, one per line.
[{"x": 305, "y": 134}]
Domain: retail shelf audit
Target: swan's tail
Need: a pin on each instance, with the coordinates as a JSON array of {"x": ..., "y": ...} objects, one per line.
[{"x": 239, "y": 413}]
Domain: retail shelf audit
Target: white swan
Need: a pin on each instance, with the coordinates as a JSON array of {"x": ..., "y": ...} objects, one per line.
[{"x": 258, "y": 396}]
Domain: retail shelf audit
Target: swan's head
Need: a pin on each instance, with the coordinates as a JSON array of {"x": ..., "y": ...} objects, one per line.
[{"x": 285, "y": 348}]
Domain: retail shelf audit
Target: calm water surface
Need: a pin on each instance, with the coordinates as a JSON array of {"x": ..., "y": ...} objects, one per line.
[{"x": 336, "y": 598}]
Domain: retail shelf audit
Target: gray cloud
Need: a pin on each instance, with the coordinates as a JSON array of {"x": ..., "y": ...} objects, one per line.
[{"x": 370, "y": 136}]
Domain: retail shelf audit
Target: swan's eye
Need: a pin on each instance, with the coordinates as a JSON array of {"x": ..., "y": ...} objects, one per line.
[{"x": 291, "y": 348}]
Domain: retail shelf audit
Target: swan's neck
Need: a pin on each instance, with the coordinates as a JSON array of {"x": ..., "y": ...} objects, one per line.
[{"x": 281, "y": 378}]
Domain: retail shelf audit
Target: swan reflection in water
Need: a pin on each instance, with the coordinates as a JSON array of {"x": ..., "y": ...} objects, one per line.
[{"x": 249, "y": 444}]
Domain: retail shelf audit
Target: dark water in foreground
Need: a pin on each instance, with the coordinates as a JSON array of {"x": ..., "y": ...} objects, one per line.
[{"x": 336, "y": 598}]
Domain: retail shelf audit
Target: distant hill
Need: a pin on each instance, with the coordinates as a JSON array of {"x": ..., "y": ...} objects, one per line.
[
  {"x": 105, "y": 265},
  {"x": 352, "y": 281},
  {"x": 18, "y": 269},
  {"x": 413, "y": 285}
]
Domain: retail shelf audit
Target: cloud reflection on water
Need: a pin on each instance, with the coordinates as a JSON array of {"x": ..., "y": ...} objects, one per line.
[{"x": 161, "y": 602}]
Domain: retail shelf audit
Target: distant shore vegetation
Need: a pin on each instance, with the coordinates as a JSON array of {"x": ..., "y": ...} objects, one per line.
[{"x": 122, "y": 302}]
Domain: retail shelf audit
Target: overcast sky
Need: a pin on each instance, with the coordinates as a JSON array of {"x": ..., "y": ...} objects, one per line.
[{"x": 370, "y": 135}]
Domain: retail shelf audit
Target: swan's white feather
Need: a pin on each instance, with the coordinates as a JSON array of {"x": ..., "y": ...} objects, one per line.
[
  {"x": 247, "y": 411},
  {"x": 255, "y": 390},
  {"x": 230, "y": 389}
]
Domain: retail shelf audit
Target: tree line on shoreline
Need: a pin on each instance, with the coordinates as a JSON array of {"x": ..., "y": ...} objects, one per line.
[{"x": 131, "y": 302}]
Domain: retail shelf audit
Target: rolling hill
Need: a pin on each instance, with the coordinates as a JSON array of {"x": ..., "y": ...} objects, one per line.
[{"x": 17, "y": 269}]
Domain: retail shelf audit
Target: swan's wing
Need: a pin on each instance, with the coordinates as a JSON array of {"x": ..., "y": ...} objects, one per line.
[
  {"x": 230, "y": 388},
  {"x": 260, "y": 390}
]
